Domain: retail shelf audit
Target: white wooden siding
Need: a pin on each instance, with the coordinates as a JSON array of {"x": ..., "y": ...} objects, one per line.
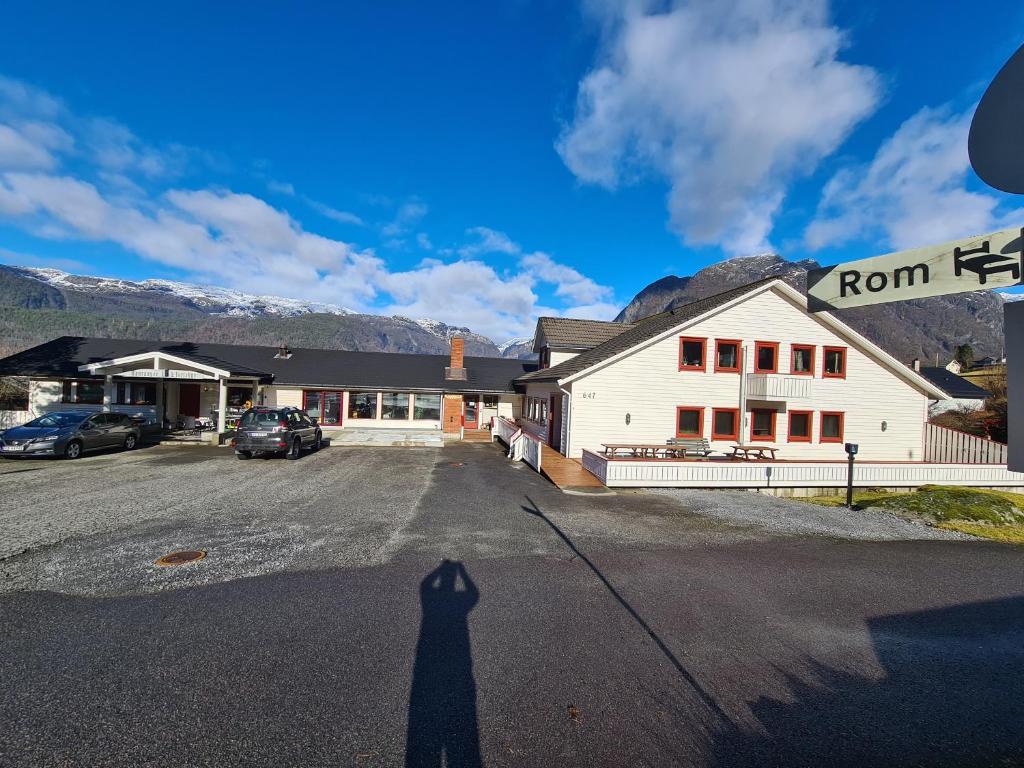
[
  {"x": 648, "y": 385},
  {"x": 561, "y": 356}
]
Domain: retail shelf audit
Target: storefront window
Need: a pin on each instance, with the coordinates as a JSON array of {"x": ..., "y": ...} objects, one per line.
[
  {"x": 332, "y": 408},
  {"x": 394, "y": 406},
  {"x": 239, "y": 396},
  {"x": 134, "y": 393},
  {"x": 362, "y": 405},
  {"x": 426, "y": 407},
  {"x": 83, "y": 392},
  {"x": 324, "y": 407}
]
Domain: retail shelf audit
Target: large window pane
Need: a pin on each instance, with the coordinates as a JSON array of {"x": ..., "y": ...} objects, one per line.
[
  {"x": 394, "y": 406},
  {"x": 832, "y": 427},
  {"x": 691, "y": 353},
  {"x": 362, "y": 405},
  {"x": 87, "y": 392},
  {"x": 313, "y": 405},
  {"x": 803, "y": 358},
  {"x": 763, "y": 427},
  {"x": 688, "y": 422},
  {"x": 724, "y": 424},
  {"x": 332, "y": 408},
  {"x": 835, "y": 362},
  {"x": 427, "y": 407},
  {"x": 728, "y": 358}
]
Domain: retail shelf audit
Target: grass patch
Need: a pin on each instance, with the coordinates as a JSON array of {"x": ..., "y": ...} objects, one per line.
[{"x": 995, "y": 515}]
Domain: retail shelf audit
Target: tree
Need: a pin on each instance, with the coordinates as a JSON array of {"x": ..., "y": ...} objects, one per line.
[
  {"x": 964, "y": 354},
  {"x": 13, "y": 393}
]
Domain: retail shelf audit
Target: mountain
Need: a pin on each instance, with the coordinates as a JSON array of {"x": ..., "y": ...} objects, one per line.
[
  {"x": 520, "y": 349},
  {"x": 906, "y": 329},
  {"x": 39, "y": 304}
]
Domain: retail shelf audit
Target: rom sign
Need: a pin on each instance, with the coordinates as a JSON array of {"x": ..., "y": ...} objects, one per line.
[{"x": 995, "y": 260}]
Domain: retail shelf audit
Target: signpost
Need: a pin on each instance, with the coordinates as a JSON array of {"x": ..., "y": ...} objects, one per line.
[{"x": 995, "y": 260}]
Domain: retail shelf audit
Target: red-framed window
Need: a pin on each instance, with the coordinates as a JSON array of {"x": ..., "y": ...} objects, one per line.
[
  {"x": 323, "y": 405},
  {"x": 545, "y": 358},
  {"x": 725, "y": 424},
  {"x": 727, "y": 355},
  {"x": 689, "y": 421},
  {"x": 830, "y": 428},
  {"x": 800, "y": 426},
  {"x": 762, "y": 425},
  {"x": 801, "y": 360},
  {"x": 766, "y": 357},
  {"x": 833, "y": 362},
  {"x": 693, "y": 353}
]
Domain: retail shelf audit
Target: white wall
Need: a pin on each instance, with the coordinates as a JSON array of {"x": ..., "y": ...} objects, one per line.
[
  {"x": 561, "y": 356},
  {"x": 648, "y": 385}
]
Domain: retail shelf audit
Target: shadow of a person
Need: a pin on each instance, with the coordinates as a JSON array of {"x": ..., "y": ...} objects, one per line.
[{"x": 442, "y": 702}]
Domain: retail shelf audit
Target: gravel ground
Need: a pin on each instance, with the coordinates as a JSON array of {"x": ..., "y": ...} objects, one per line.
[{"x": 789, "y": 516}]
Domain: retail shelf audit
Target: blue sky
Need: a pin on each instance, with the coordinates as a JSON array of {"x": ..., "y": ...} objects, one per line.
[{"x": 483, "y": 163}]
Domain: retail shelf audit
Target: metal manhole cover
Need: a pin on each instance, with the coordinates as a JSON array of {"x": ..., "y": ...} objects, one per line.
[
  {"x": 182, "y": 557},
  {"x": 456, "y": 463}
]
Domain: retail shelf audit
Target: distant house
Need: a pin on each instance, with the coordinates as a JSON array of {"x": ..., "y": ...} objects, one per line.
[{"x": 961, "y": 393}]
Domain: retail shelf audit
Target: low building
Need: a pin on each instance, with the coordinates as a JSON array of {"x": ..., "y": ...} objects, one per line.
[
  {"x": 746, "y": 366},
  {"x": 961, "y": 394},
  {"x": 172, "y": 383}
]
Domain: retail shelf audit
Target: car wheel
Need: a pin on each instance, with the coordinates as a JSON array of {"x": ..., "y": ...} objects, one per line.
[
  {"x": 294, "y": 449},
  {"x": 243, "y": 454},
  {"x": 318, "y": 442},
  {"x": 130, "y": 442},
  {"x": 73, "y": 450}
]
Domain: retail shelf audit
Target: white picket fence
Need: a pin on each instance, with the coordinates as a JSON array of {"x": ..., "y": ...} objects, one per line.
[
  {"x": 950, "y": 446},
  {"x": 522, "y": 446}
]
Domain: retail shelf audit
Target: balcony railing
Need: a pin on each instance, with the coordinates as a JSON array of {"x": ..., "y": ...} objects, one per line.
[{"x": 773, "y": 386}]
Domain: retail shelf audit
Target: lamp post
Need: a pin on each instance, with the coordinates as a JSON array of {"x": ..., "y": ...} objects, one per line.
[{"x": 851, "y": 451}]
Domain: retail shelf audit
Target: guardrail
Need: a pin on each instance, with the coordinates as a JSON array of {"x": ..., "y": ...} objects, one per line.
[
  {"x": 774, "y": 386},
  {"x": 521, "y": 445}
]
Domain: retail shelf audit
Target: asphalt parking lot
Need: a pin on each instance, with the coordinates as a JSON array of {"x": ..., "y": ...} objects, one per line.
[{"x": 387, "y": 606}]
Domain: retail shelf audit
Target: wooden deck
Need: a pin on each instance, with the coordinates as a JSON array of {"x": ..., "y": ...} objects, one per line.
[{"x": 565, "y": 473}]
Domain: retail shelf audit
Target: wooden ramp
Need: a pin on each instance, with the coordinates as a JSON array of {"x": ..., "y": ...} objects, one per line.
[
  {"x": 476, "y": 436},
  {"x": 565, "y": 473}
]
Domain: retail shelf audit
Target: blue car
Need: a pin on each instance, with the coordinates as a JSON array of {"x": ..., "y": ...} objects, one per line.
[{"x": 70, "y": 434}]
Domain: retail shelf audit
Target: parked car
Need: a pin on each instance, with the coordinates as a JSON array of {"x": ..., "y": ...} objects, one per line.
[
  {"x": 70, "y": 434},
  {"x": 275, "y": 430}
]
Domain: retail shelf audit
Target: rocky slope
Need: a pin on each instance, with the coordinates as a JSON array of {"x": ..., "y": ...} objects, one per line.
[{"x": 907, "y": 329}]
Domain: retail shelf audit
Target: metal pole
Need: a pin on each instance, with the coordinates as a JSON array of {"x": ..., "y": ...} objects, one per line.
[{"x": 849, "y": 482}]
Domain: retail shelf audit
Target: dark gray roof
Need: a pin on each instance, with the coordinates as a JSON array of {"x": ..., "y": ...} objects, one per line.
[
  {"x": 955, "y": 386},
  {"x": 61, "y": 358},
  {"x": 567, "y": 332},
  {"x": 640, "y": 332}
]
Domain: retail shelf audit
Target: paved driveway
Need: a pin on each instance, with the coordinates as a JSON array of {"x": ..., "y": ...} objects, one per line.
[{"x": 325, "y": 626}]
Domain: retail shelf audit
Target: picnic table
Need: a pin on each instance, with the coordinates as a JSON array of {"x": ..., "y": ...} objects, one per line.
[
  {"x": 642, "y": 450},
  {"x": 748, "y": 452}
]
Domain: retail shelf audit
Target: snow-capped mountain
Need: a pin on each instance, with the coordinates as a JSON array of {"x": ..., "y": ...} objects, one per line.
[{"x": 210, "y": 298}]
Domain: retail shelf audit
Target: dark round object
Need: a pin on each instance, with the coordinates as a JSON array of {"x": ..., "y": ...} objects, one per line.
[
  {"x": 130, "y": 442},
  {"x": 318, "y": 442},
  {"x": 181, "y": 557},
  {"x": 73, "y": 450},
  {"x": 996, "y": 141},
  {"x": 293, "y": 449}
]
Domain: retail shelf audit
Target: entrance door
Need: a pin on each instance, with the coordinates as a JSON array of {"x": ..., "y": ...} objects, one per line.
[
  {"x": 470, "y": 412},
  {"x": 188, "y": 399},
  {"x": 555, "y": 423}
]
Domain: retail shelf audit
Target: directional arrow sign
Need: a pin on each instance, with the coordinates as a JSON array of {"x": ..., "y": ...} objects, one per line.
[{"x": 986, "y": 261}]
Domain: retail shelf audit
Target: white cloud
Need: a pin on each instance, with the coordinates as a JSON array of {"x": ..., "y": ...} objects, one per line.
[
  {"x": 281, "y": 187},
  {"x": 118, "y": 191},
  {"x": 912, "y": 193},
  {"x": 343, "y": 217},
  {"x": 727, "y": 100}
]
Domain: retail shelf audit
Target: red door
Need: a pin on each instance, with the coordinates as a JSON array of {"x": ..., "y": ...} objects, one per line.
[
  {"x": 188, "y": 399},
  {"x": 470, "y": 412}
]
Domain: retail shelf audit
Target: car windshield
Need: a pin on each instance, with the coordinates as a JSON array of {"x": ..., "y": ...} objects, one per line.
[
  {"x": 56, "y": 420},
  {"x": 258, "y": 419}
]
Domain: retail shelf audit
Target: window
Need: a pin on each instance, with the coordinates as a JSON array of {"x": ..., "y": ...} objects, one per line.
[
  {"x": 322, "y": 407},
  {"x": 394, "y": 406},
  {"x": 727, "y": 356},
  {"x": 135, "y": 393},
  {"x": 800, "y": 426},
  {"x": 802, "y": 360},
  {"x": 537, "y": 409},
  {"x": 545, "y": 358},
  {"x": 762, "y": 425},
  {"x": 766, "y": 357},
  {"x": 691, "y": 353},
  {"x": 831, "y": 427},
  {"x": 834, "y": 363},
  {"x": 689, "y": 422},
  {"x": 83, "y": 392},
  {"x": 362, "y": 405},
  {"x": 261, "y": 419},
  {"x": 725, "y": 424},
  {"x": 239, "y": 396},
  {"x": 426, "y": 407},
  {"x": 490, "y": 401}
]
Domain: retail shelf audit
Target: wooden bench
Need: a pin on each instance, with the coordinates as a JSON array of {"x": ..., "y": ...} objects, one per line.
[
  {"x": 668, "y": 450},
  {"x": 748, "y": 452},
  {"x": 696, "y": 446}
]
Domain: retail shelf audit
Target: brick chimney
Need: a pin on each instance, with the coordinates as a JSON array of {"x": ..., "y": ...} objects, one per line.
[{"x": 456, "y": 370}]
